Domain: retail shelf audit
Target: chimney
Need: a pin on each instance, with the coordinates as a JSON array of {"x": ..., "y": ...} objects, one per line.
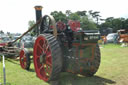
[{"x": 38, "y": 10}]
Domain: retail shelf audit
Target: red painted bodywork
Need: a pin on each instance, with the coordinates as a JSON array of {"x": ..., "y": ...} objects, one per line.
[
  {"x": 74, "y": 25},
  {"x": 2, "y": 44}
]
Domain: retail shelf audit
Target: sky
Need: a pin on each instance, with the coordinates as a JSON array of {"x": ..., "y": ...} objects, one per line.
[{"x": 15, "y": 14}]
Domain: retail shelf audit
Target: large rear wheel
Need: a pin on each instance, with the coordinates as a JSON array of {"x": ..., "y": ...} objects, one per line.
[
  {"x": 92, "y": 65},
  {"x": 47, "y": 57}
]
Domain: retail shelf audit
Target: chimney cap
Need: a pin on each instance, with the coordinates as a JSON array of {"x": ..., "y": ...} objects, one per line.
[{"x": 38, "y": 7}]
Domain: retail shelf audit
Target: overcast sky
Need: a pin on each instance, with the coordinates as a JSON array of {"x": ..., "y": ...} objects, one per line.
[{"x": 15, "y": 14}]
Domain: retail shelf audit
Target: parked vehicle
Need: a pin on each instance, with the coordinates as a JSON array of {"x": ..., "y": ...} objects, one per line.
[
  {"x": 123, "y": 35},
  {"x": 27, "y": 42},
  {"x": 112, "y": 38}
]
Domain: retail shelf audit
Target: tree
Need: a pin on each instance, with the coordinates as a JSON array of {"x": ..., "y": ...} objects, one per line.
[
  {"x": 125, "y": 24},
  {"x": 68, "y": 12},
  {"x": 59, "y": 16},
  {"x": 90, "y": 12},
  {"x": 30, "y": 24},
  {"x": 82, "y": 13},
  {"x": 95, "y": 15},
  {"x": 74, "y": 16},
  {"x": 87, "y": 24},
  {"x": 109, "y": 19},
  {"x": 1, "y": 32},
  {"x": 115, "y": 23},
  {"x": 108, "y": 23}
]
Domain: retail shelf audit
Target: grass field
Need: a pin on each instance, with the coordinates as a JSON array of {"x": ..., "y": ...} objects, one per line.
[{"x": 113, "y": 71}]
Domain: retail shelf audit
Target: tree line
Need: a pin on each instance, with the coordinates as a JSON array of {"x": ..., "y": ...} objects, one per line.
[
  {"x": 90, "y": 20},
  {"x": 115, "y": 23},
  {"x": 86, "y": 18}
]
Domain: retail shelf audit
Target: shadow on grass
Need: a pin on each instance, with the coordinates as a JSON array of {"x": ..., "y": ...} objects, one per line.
[
  {"x": 71, "y": 79},
  {"x": 13, "y": 61}
]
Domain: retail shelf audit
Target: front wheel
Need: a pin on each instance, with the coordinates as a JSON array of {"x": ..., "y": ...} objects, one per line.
[
  {"x": 25, "y": 59},
  {"x": 47, "y": 57}
]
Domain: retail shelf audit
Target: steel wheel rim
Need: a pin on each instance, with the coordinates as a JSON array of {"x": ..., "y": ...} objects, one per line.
[
  {"x": 42, "y": 58},
  {"x": 22, "y": 59}
]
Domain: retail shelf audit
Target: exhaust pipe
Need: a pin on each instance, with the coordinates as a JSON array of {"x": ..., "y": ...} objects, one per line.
[{"x": 38, "y": 10}]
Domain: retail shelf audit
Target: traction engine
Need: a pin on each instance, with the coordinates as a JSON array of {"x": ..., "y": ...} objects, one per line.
[{"x": 62, "y": 47}]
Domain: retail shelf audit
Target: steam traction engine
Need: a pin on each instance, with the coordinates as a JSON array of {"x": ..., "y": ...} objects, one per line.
[{"x": 62, "y": 47}]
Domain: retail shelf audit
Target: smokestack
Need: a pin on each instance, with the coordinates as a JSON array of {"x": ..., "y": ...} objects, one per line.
[{"x": 38, "y": 10}]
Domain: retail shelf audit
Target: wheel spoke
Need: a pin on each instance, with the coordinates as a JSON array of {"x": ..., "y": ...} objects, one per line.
[
  {"x": 42, "y": 72},
  {"x": 40, "y": 47},
  {"x": 45, "y": 44},
  {"x": 48, "y": 54},
  {"x": 48, "y": 62},
  {"x": 24, "y": 59},
  {"x": 42, "y": 67},
  {"x": 48, "y": 69},
  {"x": 46, "y": 50},
  {"x": 48, "y": 59}
]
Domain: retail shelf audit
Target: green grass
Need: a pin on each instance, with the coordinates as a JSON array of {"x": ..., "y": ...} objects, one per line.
[
  {"x": 18, "y": 76},
  {"x": 113, "y": 71}
]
